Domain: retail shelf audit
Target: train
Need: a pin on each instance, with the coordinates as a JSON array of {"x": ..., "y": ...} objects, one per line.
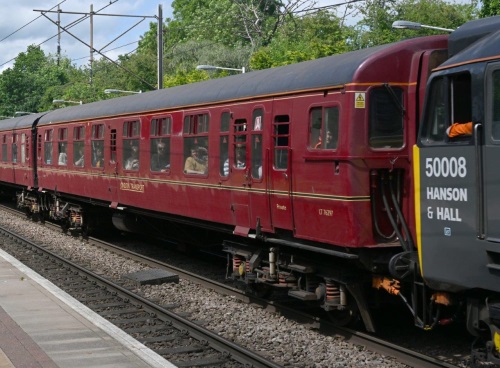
[{"x": 332, "y": 180}]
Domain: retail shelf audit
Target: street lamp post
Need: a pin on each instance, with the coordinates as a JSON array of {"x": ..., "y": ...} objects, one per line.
[
  {"x": 111, "y": 90},
  {"x": 211, "y": 67},
  {"x": 66, "y": 101},
  {"x": 404, "y": 24}
]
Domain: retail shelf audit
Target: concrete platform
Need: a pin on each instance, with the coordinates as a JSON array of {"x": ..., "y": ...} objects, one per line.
[{"x": 42, "y": 326}]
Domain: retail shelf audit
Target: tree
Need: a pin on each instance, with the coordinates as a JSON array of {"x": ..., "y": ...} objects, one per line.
[
  {"x": 233, "y": 22},
  {"x": 22, "y": 87},
  {"x": 309, "y": 37},
  {"x": 490, "y": 8},
  {"x": 375, "y": 28}
]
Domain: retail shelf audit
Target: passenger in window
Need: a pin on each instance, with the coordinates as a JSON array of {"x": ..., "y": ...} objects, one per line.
[
  {"x": 329, "y": 141},
  {"x": 159, "y": 160},
  {"x": 98, "y": 160},
  {"x": 195, "y": 164},
  {"x": 459, "y": 129},
  {"x": 80, "y": 161},
  {"x": 63, "y": 157},
  {"x": 240, "y": 161},
  {"x": 132, "y": 162}
]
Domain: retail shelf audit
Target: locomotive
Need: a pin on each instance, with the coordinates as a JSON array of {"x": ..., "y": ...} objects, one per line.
[{"x": 332, "y": 179}]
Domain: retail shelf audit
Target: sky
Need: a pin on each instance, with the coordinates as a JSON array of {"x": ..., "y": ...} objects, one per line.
[{"x": 21, "y": 26}]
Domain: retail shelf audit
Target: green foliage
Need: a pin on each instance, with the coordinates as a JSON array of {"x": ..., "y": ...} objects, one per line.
[
  {"x": 23, "y": 87},
  {"x": 375, "y": 28},
  {"x": 311, "y": 37},
  {"x": 184, "y": 77},
  {"x": 255, "y": 34},
  {"x": 490, "y": 8}
]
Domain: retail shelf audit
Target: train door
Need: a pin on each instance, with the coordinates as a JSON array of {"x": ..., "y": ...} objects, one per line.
[
  {"x": 449, "y": 196},
  {"x": 112, "y": 167},
  {"x": 491, "y": 174},
  {"x": 237, "y": 166},
  {"x": 280, "y": 168},
  {"x": 246, "y": 168},
  {"x": 257, "y": 169}
]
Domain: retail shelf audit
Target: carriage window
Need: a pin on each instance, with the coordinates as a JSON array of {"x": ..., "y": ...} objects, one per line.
[
  {"x": 24, "y": 148},
  {"x": 97, "y": 145},
  {"x": 131, "y": 134},
  {"x": 62, "y": 134},
  {"x": 48, "y": 146},
  {"x": 225, "y": 119},
  {"x": 281, "y": 136},
  {"x": 196, "y": 144},
  {"x": 14, "y": 147},
  {"x": 324, "y": 128},
  {"x": 240, "y": 144},
  {"x": 160, "y": 144},
  {"x": 256, "y": 149},
  {"x": 4, "y": 148},
  {"x": 78, "y": 146},
  {"x": 386, "y": 118},
  {"x": 449, "y": 101}
]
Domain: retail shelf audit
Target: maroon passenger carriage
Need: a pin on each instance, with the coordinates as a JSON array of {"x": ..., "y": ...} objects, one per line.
[{"x": 305, "y": 169}]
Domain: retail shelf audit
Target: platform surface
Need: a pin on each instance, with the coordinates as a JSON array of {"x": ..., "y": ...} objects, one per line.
[{"x": 42, "y": 326}]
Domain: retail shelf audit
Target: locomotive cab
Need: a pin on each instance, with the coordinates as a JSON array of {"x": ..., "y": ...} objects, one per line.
[{"x": 457, "y": 191}]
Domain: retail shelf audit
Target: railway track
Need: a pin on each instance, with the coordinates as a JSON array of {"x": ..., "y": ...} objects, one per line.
[
  {"x": 182, "y": 342},
  {"x": 126, "y": 314}
]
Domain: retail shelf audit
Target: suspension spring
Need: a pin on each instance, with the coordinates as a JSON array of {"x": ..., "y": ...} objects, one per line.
[
  {"x": 332, "y": 292},
  {"x": 76, "y": 218},
  {"x": 236, "y": 264}
]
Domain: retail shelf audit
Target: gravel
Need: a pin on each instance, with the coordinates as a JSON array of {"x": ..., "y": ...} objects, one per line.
[{"x": 286, "y": 342}]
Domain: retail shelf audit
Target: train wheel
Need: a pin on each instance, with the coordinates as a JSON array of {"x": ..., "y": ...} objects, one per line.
[
  {"x": 28, "y": 213},
  {"x": 345, "y": 317},
  {"x": 35, "y": 217},
  {"x": 86, "y": 230},
  {"x": 261, "y": 290},
  {"x": 65, "y": 226}
]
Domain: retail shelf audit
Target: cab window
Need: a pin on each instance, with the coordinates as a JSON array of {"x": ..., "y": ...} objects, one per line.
[{"x": 449, "y": 101}]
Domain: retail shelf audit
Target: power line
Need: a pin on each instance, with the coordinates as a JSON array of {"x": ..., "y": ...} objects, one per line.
[
  {"x": 115, "y": 48},
  {"x": 27, "y": 24},
  {"x": 319, "y": 8},
  {"x": 70, "y": 25}
]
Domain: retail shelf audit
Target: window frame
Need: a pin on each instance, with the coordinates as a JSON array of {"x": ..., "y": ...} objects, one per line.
[
  {"x": 160, "y": 132},
  {"x": 195, "y": 133}
]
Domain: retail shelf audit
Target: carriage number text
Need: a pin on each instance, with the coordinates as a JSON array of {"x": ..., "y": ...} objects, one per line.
[{"x": 446, "y": 167}]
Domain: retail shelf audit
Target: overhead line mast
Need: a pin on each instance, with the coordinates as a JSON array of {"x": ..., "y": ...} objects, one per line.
[{"x": 159, "y": 18}]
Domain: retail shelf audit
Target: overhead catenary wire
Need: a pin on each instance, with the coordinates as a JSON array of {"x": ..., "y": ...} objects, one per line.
[
  {"x": 70, "y": 25},
  {"x": 27, "y": 24}
]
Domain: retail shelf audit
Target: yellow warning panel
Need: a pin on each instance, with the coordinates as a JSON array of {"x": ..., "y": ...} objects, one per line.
[{"x": 359, "y": 100}]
